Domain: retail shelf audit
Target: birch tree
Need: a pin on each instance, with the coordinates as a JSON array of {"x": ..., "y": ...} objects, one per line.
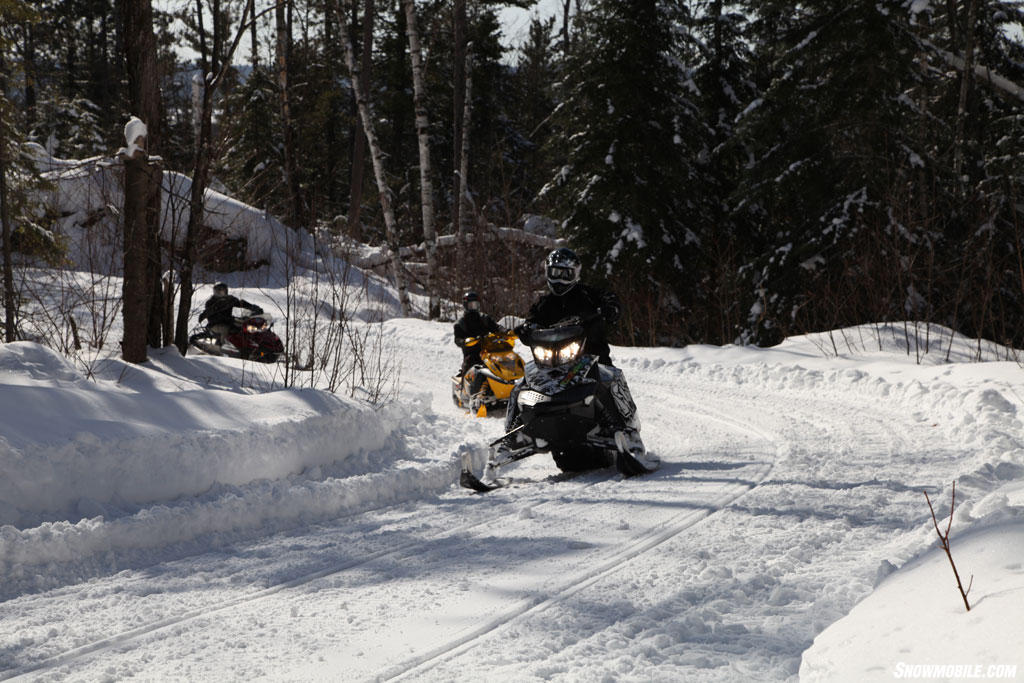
[
  {"x": 359, "y": 138},
  {"x": 423, "y": 136},
  {"x": 376, "y": 156},
  {"x": 458, "y": 106}
]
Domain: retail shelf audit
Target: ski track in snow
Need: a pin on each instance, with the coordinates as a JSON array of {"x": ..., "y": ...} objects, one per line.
[{"x": 772, "y": 510}]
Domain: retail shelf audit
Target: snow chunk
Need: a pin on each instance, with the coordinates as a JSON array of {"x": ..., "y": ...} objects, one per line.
[{"x": 135, "y": 133}]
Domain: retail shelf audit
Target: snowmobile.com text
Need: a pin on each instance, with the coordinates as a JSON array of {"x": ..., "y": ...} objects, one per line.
[{"x": 925, "y": 671}]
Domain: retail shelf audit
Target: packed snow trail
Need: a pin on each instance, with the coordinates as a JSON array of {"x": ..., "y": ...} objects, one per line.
[{"x": 784, "y": 486}]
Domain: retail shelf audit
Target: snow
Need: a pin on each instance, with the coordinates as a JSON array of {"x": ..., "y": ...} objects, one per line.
[
  {"x": 198, "y": 518},
  {"x": 134, "y": 130},
  {"x": 166, "y": 521}
]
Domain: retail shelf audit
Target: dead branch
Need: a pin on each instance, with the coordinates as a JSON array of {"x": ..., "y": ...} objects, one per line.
[{"x": 944, "y": 541}]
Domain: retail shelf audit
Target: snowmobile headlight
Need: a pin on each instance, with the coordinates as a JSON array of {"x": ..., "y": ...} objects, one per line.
[
  {"x": 543, "y": 355},
  {"x": 550, "y": 357},
  {"x": 568, "y": 353}
]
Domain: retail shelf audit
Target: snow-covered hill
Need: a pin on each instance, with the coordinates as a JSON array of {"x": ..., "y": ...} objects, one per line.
[{"x": 191, "y": 520}]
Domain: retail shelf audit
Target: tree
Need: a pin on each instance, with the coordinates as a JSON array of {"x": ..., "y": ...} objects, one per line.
[
  {"x": 725, "y": 79},
  {"x": 358, "y": 134},
  {"x": 143, "y": 305},
  {"x": 376, "y": 156},
  {"x": 870, "y": 185},
  {"x": 215, "y": 72},
  {"x": 459, "y": 42},
  {"x": 423, "y": 136},
  {"x": 13, "y": 12},
  {"x": 624, "y": 193},
  {"x": 283, "y": 18}
]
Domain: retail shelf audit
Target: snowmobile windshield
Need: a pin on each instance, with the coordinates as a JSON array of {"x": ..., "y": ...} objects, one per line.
[{"x": 557, "y": 345}]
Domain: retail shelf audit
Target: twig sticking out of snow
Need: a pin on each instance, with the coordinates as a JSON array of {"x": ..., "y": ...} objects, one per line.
[{"x": 944, "y": 541}]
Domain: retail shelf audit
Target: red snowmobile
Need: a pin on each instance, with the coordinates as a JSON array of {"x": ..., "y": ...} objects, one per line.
[{"x": 250, "y": 338}]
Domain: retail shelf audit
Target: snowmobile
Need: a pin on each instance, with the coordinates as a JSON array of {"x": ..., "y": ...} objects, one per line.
[
  {"x": 569, "y": 405},
  {"x": 486, "y": 386},
  {"x": 250, "y": 338}
]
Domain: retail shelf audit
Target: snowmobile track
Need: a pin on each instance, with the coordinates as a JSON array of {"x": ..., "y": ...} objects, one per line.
[
  {"x": 609, "y": 565},
  {"x": 399, "y": 551}
]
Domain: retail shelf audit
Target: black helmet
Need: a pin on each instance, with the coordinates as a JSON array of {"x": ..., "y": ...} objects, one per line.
[
  {"x": 471, "y": 301},
  {"x": 220, "y": 289},
  {"x": 562, "y": 269}
]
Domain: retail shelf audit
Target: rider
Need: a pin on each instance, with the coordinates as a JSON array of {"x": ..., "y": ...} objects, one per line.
[
  {"x": 596, "y": 309},
  {"x": 217, "y": 311},
  {"x": 569, "y": 297},
  {"x": 473, "y": 323}
]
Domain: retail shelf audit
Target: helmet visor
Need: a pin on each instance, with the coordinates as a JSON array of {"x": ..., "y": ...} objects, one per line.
[{"x": 473, "y": 305}]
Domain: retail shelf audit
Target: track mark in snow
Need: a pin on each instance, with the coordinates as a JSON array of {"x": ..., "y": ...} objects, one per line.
[
  {"x": 394, "y": 552},
  {"x": 731, "y": 490}
]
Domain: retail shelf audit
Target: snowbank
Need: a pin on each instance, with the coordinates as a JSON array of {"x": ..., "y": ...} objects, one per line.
[
  {"x": 914, "y": 625},
  {"x": 96, "y": 470}
]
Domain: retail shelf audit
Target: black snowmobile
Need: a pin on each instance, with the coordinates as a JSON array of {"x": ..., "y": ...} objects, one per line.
[{"x": 569, "y": 405}]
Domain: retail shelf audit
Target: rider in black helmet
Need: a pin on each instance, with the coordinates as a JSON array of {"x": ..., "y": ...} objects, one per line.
[
  {"x": 569, "y": 297},
  {"x": 217, "y": 311},
  {"x": 473, "y": 323},
  {"x": 597, "y": 309}
]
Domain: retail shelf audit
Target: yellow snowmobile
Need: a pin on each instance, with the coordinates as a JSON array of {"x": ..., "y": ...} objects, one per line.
[{"x": 487, "y": 386}]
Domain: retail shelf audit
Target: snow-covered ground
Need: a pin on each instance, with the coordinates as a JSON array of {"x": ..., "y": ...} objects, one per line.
[{"x": 190, "y": 520}]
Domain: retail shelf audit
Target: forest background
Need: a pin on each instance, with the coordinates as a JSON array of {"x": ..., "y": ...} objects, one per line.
[{"x": 736, "y": 172}]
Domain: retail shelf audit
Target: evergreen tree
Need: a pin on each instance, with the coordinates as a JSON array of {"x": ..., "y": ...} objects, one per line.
[
  {"x": 836, "y": 142},
  {"x": 531, "y": 101},
  {"x": 725, "y": 81},
  {"x": 628, "y": 193},
  {"x": 873, "y": 171}
]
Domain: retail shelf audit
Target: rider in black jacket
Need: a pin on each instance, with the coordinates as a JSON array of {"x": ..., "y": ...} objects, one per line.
[
  {"x": 596, "y": 308},
  {"x": 473, "y": 323},
  {"x": 217, "y": 311}
]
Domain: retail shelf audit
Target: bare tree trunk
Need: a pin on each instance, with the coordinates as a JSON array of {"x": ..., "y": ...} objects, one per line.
[
  {"x": 355, "y": 229},
  {"x": 466, "y": 208},
  {"x": 10, "y": 309},
  {"x": 377, "y": 157},
  {"x": 284, "y": 42},
  {"x": 254, "y": 45},
  {"x": 965, "y": 86},
  {"x": 565, "y": 27},
  {"x": 141, "y": 183},
  {"x": 200, "y": 177},
  {"x": 458, "y": 104},
  {"x": 423, "y": 135},
  {"x": 143, "y": 263},
  {"x": 29, "y": 56},
  {"x": 9, "y": 295},
  {"x": 197, "y": 196}
]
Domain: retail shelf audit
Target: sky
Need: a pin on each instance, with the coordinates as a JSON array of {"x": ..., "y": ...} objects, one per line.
[
  {"x": 203, "y": 518},
  {"x": 515, "y": 23}
]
